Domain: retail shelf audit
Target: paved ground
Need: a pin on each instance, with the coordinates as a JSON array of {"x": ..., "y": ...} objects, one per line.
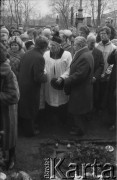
[
  {"x": 28, "y": 156},
  {"x": 97, "y": 128}
]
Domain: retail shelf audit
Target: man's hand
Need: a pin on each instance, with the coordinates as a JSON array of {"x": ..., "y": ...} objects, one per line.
[
  {"x": 57, "y": 83},
  {"x": 59, "y": 80}
]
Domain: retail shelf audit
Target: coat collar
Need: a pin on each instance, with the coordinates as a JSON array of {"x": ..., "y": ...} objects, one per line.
[
  {"x": 79, "y": 53},
  {"x": 108, "y": 43},
  {"x": 37, "y": 49}
]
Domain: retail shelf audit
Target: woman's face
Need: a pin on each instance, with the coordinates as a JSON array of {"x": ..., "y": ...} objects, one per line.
[
  {"x": 82, "y": 33},
  {"x": 15, "y": 47},
  {"x": 16, "y": 33}
]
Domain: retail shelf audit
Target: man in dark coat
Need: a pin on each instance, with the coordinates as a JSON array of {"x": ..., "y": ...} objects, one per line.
[
  {"x": 111, "y": 103},
  {"x": 30, "y": 78},
  {"x": 98, "y": 69},
  {"x": 79, "y": 83}
]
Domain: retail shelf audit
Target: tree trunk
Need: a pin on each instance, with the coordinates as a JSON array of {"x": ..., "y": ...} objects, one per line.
[{"x": 99, "y": 12}]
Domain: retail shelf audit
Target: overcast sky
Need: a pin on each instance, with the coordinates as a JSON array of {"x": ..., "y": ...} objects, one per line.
[{"x": 42, "y": 7}]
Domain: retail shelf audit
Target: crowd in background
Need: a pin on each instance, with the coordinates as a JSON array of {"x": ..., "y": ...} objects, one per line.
[{"x": 57, "y": 73}]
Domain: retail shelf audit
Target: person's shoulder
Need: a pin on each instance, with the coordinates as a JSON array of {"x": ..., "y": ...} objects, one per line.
[
  {"x": 97, "y": 51},
  {"x": 115, "y": 47},
  {"x": 98, "y": 45},
  {"x": 88, "y": 55},
  {"x": 47, "y": 54},
  {"x": 66, "y": 53},
  {"x": 111, "y": 46}
]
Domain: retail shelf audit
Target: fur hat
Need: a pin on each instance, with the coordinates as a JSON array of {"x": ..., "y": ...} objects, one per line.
[
  {"x": 67, "y": 32},
  {"x": 16, "y": 39},
  {"x": 46, "y": 32},
  {"x": 4, "y": 31},
  {"x": 24, "y": 36},
  {"x": 16, "y": 30}
]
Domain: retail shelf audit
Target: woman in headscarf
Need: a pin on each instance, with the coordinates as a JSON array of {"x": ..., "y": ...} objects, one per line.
[
  {"x": 9, "y": 96},
  {"x": 16, "y": 52}
]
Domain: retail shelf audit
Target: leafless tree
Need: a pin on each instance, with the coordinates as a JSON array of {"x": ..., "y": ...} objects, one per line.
[
  {"x": 96, "y": 8},
  {"x": 27, "y": 10},
  {"x": 19, "y": 11},
  {"x": 16, "y": 11},
  {"x": 63, "y": 8}
]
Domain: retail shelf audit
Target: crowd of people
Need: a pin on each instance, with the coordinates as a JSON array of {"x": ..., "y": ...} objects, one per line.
[{"x": 55, "y": 73}]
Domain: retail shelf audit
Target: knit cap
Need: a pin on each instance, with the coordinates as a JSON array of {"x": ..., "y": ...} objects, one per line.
[{"x": 4, "y": 30}]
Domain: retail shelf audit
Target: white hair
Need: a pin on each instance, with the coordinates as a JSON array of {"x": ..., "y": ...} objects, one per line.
[
  {"x": 91, "y": 36},
  {"x": 81, "y": 41}
]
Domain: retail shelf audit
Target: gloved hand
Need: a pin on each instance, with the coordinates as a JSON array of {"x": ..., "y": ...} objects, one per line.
[{"x": 57, "y": 83}]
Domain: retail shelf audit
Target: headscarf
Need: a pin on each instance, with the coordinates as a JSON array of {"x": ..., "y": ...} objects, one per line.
[{"x": 16, "y": 39}]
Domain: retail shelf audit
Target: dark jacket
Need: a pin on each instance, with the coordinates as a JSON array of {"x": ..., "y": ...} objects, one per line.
[
  {"x": 9, "y": 96},
  {"x": 31, "y": 76},
  {"x": 98, "y": 63},
  {"x": 112, "y": 59},
  {"x": 79, "y": 83},
  {"x": 113, "y": 32}
]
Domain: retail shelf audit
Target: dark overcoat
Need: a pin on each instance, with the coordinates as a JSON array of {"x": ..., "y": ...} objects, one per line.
[
  {"x": 31, "y": 76},
  {"x": 98, "y": 70},
  {"x": 79, "y": 83},
  {"x": 98, "y": 63},
  {"x": 112, "y": 59},
  {"x": 9, "y": 96}
]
